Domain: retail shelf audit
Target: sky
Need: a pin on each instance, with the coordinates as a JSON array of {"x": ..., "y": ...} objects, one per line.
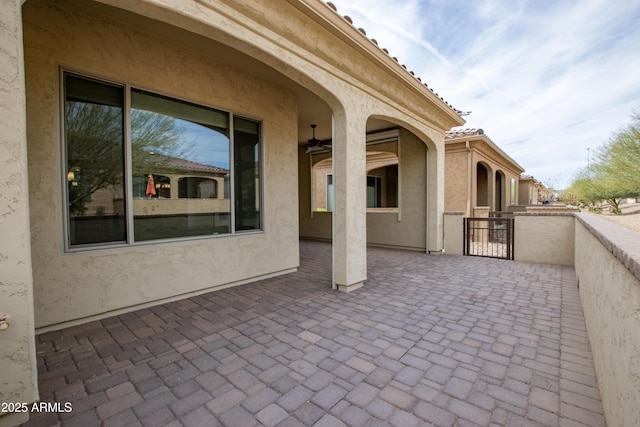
[{"x": 549, "y": 81}]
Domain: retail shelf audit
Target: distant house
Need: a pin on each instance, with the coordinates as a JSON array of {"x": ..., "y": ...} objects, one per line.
[
  {"x": 478, "y": 174},
  {"x": 529, "y": 190}
]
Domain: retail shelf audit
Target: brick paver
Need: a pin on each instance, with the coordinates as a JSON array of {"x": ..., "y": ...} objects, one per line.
[{"x": 429, "y": 340}]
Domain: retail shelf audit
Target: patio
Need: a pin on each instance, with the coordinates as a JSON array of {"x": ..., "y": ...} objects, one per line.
[{"x": 429, "y": 340}]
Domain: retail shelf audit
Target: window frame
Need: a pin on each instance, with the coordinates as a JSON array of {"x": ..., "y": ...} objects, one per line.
[{"x": 128, "y": 168}]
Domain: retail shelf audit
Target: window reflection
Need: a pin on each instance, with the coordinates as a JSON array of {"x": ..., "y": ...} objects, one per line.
[
  {"x": 181, "y": 184},
  {"x": 188, "y": 145},
  {"x": 94, "y": 131}
]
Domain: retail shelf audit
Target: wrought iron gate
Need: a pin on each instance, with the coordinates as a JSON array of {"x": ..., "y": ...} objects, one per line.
[{"x": 489, "y": 237}]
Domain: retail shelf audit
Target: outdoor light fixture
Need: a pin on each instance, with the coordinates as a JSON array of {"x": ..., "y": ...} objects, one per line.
[{"x": 71, "y": 176}]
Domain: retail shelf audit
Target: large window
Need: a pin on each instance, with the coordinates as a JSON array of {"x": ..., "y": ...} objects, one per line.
[
  {"x": 374, "y": 192},
  {"x": 512, "y": 192},
  {"x": 161, "y": 169}
]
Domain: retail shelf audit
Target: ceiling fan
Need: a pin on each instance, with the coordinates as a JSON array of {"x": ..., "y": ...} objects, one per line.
[{"x": 314, "y": 145}]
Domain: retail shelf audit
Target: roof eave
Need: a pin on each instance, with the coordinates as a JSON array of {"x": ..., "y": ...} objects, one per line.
[{"x": 329, "y": 18}]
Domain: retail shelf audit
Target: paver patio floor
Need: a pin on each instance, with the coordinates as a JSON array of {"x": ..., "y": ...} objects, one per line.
[{"x": 429, "y": 340}]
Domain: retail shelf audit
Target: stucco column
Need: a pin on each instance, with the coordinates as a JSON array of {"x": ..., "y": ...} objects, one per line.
[
  {"x": 491, "y": 189},
  {"x": 435, "y": 197},
  {"x": 350, "y": 202},
  {"x": 17, "y": 343}
]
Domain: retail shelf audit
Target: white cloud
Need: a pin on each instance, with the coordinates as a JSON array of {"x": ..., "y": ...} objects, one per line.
[{"x": 545, "y": 80}]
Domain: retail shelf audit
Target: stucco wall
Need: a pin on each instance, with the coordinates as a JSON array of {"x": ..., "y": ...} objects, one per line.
[
  {"x": 454, "y": 233},
  {"x": 544, "y": 238},
  {"x": 17, "y": 347},
  {"x": 607, "y": 264},
  {"x": 457, "y": 182},
  {"x": 72, "y": 286}
]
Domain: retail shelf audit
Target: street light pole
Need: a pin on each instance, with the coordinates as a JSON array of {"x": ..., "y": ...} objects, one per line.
[{"x": 588, "y": 161}]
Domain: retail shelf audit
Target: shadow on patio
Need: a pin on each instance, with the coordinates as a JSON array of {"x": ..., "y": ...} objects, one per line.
[{"x": 440, "y": 340}]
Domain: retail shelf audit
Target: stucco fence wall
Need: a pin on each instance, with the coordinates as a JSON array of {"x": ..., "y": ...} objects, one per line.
[
  {"x": 606, "y": 258},
  {"x": 607, "y": 263},
  {"x": 546, "y": 238}
]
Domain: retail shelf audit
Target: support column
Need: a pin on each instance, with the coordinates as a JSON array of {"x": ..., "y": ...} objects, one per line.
[
  {"x": 491, "y": 189},
  {"x": 435, "y": 196},
  {"x": 18, "y": 381},
  {"x": 350, "y": 202}
]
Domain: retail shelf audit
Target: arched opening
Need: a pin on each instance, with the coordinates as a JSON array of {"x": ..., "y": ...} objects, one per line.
[
  {"x": 482, "y": 183},
  {"x": 381, "y": 181},
  {"x": 197, "y": 188},
  {"x": 499, "y": 192}
]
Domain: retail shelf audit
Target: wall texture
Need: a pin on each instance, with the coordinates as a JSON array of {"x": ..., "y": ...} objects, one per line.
[
  {"x": 544, "y": 238},
  {"x": 607, "y": 263},
  {"x": 454, "y": 233},
  {"x": 70, "y": 286},
  {"x": 17, "y": 346},
  {"x": 457, "y": 182}
]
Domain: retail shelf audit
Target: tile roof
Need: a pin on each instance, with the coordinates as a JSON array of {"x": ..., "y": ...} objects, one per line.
[
  {"x": 457, "y": 133},
  {"x": 348, "y": 19},
  {"x": 169, "y": 162},
  {"x": 478, "y": 132}
]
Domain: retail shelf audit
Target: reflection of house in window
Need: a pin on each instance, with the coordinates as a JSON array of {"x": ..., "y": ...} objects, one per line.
[
  {"x": 194, "y": 180},
  {"x": 197, "y": 188},
  {"x": 162, "y": 185}
]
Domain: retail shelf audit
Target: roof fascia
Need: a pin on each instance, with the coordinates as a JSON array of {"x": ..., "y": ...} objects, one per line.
[
  {"x": 328, "y": 18},
  {"x": 485, "y": 140}
]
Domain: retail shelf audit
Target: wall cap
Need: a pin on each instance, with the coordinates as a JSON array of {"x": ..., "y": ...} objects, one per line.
[
  {"x": 544, "y": 214},
  {"x": 622, "y": 242},
  {"x": 454, "y": 213}
]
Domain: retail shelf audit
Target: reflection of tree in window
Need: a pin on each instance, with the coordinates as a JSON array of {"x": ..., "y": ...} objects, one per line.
[
  {"x": 94, "y": 136},
  {"x": 95, "y": 145},
  {"x": 94, "y": 141}
]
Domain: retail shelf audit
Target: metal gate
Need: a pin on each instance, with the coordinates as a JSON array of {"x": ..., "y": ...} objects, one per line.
[{"x": 489, "y": 237}]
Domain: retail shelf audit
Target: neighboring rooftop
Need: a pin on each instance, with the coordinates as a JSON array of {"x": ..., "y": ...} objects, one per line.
[
  {"x": 479, "y": 133},
  {"x": 457, "y": 133},
  {"x": 169, "y": 162}
]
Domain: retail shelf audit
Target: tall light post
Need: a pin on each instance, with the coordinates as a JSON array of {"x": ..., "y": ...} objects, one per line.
[{"x": 589, "y": 161}]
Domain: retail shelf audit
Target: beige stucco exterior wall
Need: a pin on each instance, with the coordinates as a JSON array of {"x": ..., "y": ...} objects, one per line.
[
  {"x": 454, "y": 233},
  {"x": 457, "y": 182},
  {"x": 17, "y": 345},
  {"x": 544, "y": 238},
  {"x": 496, "y": 164},
  {"x": 71, "y": 286},
  {"x": 463, "y": 154},
  {"x": 607, "y": 264},
  {"x": 527, "y": 192}
]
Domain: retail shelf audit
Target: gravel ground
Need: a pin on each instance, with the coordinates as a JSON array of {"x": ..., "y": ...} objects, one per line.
[{"x": 629, "y": 218}]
